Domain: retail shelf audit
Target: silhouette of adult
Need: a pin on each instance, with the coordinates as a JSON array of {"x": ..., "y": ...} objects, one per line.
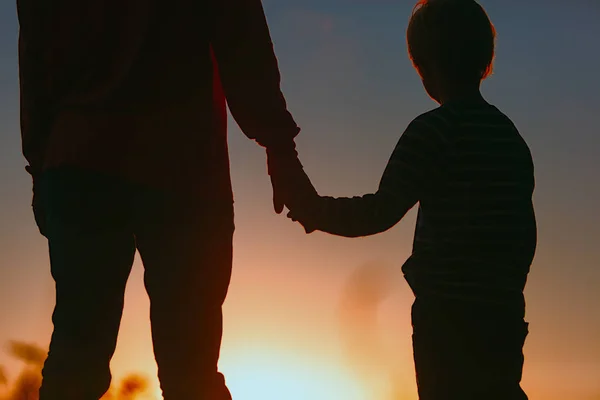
[{"x": 123, "y": 109}]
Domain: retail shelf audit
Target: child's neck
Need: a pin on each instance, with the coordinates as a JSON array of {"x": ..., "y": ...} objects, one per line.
[{"x": 471, "y": 94}]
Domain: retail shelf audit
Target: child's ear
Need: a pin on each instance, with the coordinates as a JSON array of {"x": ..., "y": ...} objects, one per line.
[{"x": 431, "y": 83}]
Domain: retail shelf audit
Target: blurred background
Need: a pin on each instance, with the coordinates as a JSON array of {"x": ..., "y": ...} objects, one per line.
[{"x": 321, "y": 317}]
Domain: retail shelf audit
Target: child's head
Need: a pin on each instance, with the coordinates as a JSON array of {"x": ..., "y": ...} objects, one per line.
[{"x": 451, "y": 44}]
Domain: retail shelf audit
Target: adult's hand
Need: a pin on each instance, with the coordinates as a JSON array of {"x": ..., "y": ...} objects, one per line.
[
  {"x": 278, "y": 202},
  {"x": 291, "y": 185},
  {"x": 276, "y": 153},
  {"x": 278, "y": 180}
]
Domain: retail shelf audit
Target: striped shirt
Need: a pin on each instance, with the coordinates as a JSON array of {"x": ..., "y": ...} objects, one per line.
[{"x": 471, "y": 173}]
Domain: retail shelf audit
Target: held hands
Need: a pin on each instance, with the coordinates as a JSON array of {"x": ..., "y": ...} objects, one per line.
[{"x": 291, "y": 186}]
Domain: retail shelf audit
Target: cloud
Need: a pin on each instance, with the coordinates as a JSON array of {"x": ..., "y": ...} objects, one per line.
[
  {"x": 3, "y": 379},
  {"x": 29, "y": 353}
]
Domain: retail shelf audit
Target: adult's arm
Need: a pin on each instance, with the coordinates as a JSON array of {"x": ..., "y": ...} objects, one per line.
[
  {"x": 249, "y": 72},
  {"x": 35, "y": 108}
]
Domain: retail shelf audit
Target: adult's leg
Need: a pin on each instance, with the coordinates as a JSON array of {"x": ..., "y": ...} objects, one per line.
[
  {"x": 187, "y": 254},
  {"x": 91, "y": 255},
  {"x": 466, "y": 351}
]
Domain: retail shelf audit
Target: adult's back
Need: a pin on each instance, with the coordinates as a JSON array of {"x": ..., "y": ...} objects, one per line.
[{"x": 138, "y": 88}]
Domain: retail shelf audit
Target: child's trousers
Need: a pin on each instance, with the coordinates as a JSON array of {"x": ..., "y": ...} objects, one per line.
[{"x": 468, "y": 351}]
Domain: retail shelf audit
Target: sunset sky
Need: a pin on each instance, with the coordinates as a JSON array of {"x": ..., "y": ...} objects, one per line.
[{"x": 352, "y": 89}]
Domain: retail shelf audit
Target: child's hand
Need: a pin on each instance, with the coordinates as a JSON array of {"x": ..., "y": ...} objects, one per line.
[{"x": 308, "y": 228}]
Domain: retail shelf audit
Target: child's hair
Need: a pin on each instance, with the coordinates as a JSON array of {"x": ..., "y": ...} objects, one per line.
[{"x": 454, "y": 37}]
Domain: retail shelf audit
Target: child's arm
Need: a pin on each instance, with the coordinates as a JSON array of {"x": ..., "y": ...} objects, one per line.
[{"x": 412, "y": 170}]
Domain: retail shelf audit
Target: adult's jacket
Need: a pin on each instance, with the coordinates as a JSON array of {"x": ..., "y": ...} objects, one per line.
[{"x": 138, "y": 88}]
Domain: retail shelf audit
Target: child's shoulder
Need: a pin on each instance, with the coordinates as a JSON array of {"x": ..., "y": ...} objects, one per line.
[
  {"x": 427, "y": 115},
  {"x": 436, "y": 121},
  {"x": 474, "y": 111},
  {"x": 441, "y": 115}
]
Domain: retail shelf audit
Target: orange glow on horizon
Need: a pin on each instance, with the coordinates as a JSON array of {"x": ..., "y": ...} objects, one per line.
[
  {"x": 267, "y": 374},
  {"x": 262, "y": 372}
]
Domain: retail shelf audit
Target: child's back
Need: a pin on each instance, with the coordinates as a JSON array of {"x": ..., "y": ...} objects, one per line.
[
  {"x": 476, "y": 231},
  {"x": 474, "y": 243}
]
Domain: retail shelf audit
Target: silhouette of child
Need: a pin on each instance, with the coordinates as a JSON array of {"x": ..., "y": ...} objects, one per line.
[{"x": 472, "y": 174}]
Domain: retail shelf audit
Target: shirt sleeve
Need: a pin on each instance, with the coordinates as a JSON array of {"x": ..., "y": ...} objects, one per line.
[
  {"x": 413, "y": 169},
  {"x": 34, "y": 105},
  {"x": 249, "y": 72}
]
